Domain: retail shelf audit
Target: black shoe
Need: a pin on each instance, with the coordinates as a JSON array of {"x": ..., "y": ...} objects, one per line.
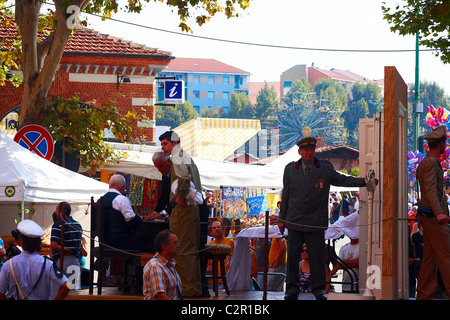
[
  {"x": 206, "y": 294},
  {"x": 322, "y": 296}
]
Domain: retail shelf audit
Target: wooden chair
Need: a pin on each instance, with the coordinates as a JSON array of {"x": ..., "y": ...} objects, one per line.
[
  {"x": 100, "y": 252},
  {"x": 217, "y": 254}
]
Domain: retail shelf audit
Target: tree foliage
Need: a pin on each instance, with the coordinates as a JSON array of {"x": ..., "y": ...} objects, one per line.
[
  {"x": 214, "y": 113},
  {"x": 266, "y": 102},
  {"x": 201, "y": 11},
  {"x": 328, "y": 89},
  {"x": 174, "y": 116},
  {"x": 240, "y": 106},
  {"x": 430, "y": 19},
  {"x": 82, "y": 125}
]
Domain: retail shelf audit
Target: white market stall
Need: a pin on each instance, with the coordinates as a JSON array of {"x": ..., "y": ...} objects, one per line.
[
  {"x": 213, "y": 174},
  {"x": 27, "y": 178}
]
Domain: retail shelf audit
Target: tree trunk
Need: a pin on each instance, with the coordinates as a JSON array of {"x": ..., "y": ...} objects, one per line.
[{"x": 40, "y": 61}]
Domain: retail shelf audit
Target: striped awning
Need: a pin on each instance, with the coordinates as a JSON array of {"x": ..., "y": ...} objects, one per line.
[{"x": 215, "y": 138}]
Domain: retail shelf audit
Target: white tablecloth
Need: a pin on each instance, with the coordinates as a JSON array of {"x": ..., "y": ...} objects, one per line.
[
  {"x": 238, "y": 276},
  {"x": 348, "y": 225}
]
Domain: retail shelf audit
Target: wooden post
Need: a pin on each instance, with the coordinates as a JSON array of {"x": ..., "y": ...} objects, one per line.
[{"x": 395, "y": 152}]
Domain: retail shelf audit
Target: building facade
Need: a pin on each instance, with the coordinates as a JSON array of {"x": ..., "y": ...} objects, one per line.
[
  {"x": 313, "y": 74},
  {"x": 208, "y": 83}
]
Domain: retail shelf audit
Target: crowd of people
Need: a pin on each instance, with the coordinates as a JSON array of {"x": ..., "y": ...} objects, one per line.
[{"x": 177, "y": 269}]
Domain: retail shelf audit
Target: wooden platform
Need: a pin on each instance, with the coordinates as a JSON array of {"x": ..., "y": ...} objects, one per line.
[{"x": 115, "y": 294}]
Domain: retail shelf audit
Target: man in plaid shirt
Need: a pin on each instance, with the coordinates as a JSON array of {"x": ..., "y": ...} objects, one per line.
[{"x": 161, "y": 280}]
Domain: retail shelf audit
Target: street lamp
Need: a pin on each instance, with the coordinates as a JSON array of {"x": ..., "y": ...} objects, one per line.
[{"x": 124, "y": 79}]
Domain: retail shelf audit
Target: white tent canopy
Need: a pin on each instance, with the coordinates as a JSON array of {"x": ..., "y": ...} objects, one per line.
[
  {"x": 26, "y": 177},
  {"x": 213, "y": 174}
]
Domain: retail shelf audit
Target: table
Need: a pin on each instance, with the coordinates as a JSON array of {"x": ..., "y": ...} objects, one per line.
[
  {"x": 238, "y": 276},
  {"x": 149, "y": 229}
]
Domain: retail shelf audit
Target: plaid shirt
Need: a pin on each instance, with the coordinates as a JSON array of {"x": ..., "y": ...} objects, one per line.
[{"x": 160, "y": 276}]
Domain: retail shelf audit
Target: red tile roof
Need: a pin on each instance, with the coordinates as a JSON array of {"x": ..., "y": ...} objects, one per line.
[
  {"x": 354, "y": 76},
  {"x": 336, "y": 76},
  {"x": 201, "y": 65},
  {"x": 89, "y": 41}
]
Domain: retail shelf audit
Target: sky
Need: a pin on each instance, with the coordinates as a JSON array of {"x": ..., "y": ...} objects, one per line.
[{"x": 320, "y": 24}]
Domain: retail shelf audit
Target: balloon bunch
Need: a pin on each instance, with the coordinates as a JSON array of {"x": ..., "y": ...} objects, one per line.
[
  {"x": 414, "y": 159},
  {"x": 436, "y": 117}
]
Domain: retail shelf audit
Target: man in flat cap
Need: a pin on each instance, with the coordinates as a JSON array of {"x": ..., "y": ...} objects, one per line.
[
  {"x": 304, "y": 211},
  {"x": 433, "y": 214},
  {"x": 29, "y": 276}
]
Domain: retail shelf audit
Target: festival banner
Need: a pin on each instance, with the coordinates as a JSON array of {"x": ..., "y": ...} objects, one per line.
[
  {"x": 233, "y": 202},
  {"x": 256, "y": 205}
]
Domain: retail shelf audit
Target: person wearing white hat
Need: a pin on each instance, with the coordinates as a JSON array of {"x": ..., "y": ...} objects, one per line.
[{"x": 29, "y": 276}]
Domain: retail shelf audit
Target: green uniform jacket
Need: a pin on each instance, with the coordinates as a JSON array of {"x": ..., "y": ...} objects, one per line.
[
  {"x": 306, "y": 207},
  {"x": 431, "y": 180}
]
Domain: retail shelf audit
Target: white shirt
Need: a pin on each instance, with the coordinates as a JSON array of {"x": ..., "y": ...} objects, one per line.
[
  {"x": 349, "y": 251},
  {"x": 122, "y": 204},
  {"x": 356, "y": 206},
  {"x": 27, "y": 268}
]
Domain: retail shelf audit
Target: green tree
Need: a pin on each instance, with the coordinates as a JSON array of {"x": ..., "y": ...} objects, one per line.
[
  {"x": 430, "y": 94},
  {"x": 372, "y": 95},
  {"x": 356, "y": 110},
  {"x": 81, "y": 126},
  {"x": 214, "y": 113},
  {"x": 430, "y": 19},
  {"x": 174, "y": 116},
  {"x": 40, "y": 57},
  {"x": 240, "y": 106},
  {"x": 335, "y": 93},
  {"x": 266, "y": 102},
  {"x": 298, "y": 88}
]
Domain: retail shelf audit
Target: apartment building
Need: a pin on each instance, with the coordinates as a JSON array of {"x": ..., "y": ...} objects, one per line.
[{"x": 208, "y": 83}]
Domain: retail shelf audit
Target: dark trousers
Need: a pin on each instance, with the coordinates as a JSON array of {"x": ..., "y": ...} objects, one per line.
[{"x": 315, "y": 243}]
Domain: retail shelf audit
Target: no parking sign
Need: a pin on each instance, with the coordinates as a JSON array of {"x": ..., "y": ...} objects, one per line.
[{"x": 36, "y": 139}]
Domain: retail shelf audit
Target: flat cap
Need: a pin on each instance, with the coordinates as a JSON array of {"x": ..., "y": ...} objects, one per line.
[
  {"x": 307, "y": 141},
  {"x": 437, "y": 134},
  {"x": 30, "y": 229}
]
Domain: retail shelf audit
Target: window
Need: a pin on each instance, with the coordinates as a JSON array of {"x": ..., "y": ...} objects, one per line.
[
  {"x": 196, "y": 94},
  {"x": 210, "y": 94},
  {"x": 225, "y": 95},
  {"x": 210, "y": 79},
  {"x": 226, "y": 79},
  {"x": 196, "y": 78}
]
